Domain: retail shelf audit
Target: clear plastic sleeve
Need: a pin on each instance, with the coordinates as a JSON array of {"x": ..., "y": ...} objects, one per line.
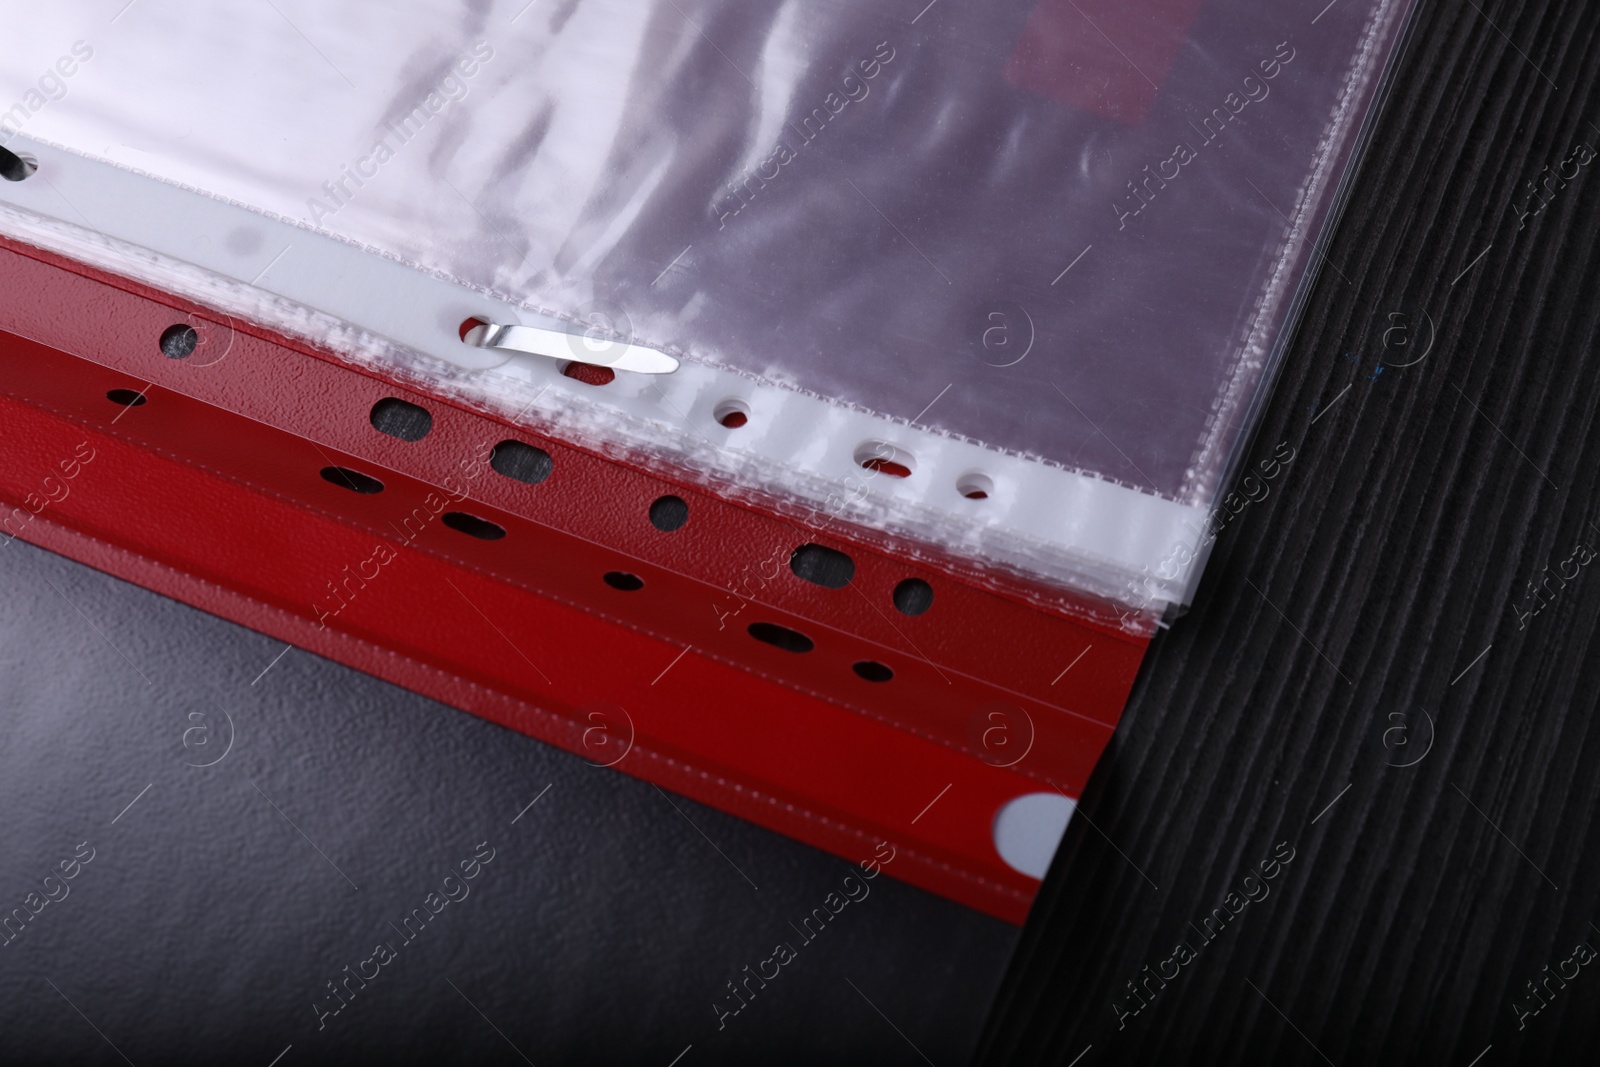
[{"x": 1059, "y": 236}]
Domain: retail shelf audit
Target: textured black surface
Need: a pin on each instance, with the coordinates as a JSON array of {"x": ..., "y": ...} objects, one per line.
[
  {"x": 1392, "y": 552},
  {"x": 217, "y": 906}
]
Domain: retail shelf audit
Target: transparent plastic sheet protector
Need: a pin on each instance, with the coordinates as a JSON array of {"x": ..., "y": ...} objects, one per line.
[{"x": 1041, "y": 254}]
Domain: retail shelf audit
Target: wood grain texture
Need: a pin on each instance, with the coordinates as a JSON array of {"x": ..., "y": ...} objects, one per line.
[{"x": 1394, "y": 549}]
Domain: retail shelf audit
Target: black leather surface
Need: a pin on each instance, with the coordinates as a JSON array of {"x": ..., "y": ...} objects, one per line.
[{"x": 211, "y": 914}]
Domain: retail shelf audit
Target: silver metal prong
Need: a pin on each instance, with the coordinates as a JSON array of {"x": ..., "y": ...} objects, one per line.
[{"x": 582, "y": 348}]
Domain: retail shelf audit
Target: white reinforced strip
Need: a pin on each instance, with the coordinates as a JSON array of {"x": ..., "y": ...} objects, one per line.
[{"x": 1077, "y": 530}]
